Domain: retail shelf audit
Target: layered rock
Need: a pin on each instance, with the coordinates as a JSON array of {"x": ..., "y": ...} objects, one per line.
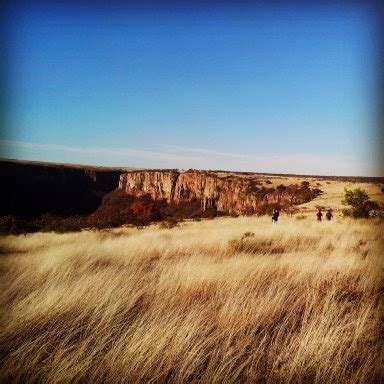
[{"x": 227, "y": 194}]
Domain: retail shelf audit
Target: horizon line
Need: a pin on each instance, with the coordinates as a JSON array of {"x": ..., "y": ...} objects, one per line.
[{"x": 138, "y": 169}]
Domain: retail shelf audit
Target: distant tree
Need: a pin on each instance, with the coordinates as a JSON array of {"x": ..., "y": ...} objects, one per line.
[
  {"x": 359, "y": 202},
  {"x": 355, "y": 197}
]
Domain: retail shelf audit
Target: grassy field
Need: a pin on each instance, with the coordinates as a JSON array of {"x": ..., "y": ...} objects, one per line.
[{"x": 224, "y": 300}]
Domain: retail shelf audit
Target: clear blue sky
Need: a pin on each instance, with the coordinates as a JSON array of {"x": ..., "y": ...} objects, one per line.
[{"x": 279, "y": 89}]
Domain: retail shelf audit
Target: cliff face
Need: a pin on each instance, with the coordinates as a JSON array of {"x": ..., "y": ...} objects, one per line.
[
  {"x": 226, "y": 194},
  {"x": 29, "y": 189}
]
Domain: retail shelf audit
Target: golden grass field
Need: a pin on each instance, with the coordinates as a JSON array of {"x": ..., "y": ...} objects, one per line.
[{"x": 298, "y": 302}]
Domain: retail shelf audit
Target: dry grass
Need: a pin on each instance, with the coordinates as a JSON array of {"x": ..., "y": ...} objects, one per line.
[
  {"x": 299, "y": 302},
  {"x": 334, "y": 193}
]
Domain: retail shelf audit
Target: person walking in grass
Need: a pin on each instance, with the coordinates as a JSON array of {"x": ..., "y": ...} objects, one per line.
[
  {"x": 275, "y": 216},
  {"x": 319, "y": 215},
  {"x": 329, "y": 215}
]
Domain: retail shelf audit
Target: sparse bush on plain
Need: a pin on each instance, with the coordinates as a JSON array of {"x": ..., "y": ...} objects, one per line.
[{"x": 359, "y": 202}]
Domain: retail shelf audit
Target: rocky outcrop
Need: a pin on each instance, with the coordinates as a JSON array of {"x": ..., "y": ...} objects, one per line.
[
  {"x": 30, "y": 189},
  {"x": 229, "y": 194}
]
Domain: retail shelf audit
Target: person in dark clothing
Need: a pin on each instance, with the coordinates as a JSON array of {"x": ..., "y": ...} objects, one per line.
[
  {"x": 275, "y": 216},
  {"x": 319, "y": 215},
  {"x": 329, "y": 215}
]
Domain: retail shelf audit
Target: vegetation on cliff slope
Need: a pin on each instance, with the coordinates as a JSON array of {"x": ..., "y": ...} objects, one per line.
[{"x": 118, "y": 208}]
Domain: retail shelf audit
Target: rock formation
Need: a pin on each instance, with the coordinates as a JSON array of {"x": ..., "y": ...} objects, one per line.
[
  {"x": 30, "y": 189},
  {"x": 229, "y": 194}
]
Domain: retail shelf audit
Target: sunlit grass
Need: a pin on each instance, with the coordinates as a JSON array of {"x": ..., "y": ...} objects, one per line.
[{"x": 299, "y": 302}]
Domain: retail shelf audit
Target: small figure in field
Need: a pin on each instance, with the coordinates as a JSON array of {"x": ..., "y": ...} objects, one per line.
[
  {"x": 275, "y": 216},
  {"x": 329, "y": 215},
  {"x": 319, "y": 215}
]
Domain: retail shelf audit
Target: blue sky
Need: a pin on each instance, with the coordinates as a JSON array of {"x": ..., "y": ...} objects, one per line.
[{"x": 279, "y": 89}]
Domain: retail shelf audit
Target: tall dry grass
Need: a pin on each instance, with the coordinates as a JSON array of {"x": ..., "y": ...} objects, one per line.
[{"x": 299, "y": 302}]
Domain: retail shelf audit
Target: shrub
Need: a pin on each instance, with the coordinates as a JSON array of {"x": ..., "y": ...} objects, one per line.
[
  {"x": 169, "y": 222},
  {"x": 13, "y": 224},
  {"x": 253, "y": 186},
  {"x": 267, "y": 209},
  {"x": 365, "y": 209},
  {"x": 70, "y": 224},
  {"x": 144, "y": 208},
  {"x": 140, "y": 222},
  {"x": 355, "y": 197},
  {"x": 247, "y": 235},
  {"x": 345, "y": 212},
  {"x": 291, "y": 210},
  {"x": 359, "y": 202},
  {"x": 301, "y": 217}
]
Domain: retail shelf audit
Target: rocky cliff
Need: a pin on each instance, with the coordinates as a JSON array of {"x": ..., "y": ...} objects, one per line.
[
  {"x": 30, "y": 189},
  {"x": 229, "y": 194}
]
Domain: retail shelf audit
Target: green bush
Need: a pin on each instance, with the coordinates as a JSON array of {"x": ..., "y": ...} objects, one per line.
[
  {"x": 355, "y": 197},
  {"x": 359, "y": 202},
  {"x": 301, "y": 217},
  {"x": 345, "y": 212}
]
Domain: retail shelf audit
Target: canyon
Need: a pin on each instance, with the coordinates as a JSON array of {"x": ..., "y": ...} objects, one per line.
[
  {"x": 233, "y": 194},
  {"x": 30, "y": 189},
  {"x": 101, "y": 197}
]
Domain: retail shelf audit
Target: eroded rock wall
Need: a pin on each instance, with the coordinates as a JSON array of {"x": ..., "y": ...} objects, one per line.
[
  {"x": 30, "y": 190},
  {"x": 226, "y": 194}
]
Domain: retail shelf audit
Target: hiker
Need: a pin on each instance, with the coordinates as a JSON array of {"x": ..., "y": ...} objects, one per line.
[
  {"x": 329, "y": 215},
  {"x": 319, "y": 215},
  {"x": 275, "y": 216}
]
